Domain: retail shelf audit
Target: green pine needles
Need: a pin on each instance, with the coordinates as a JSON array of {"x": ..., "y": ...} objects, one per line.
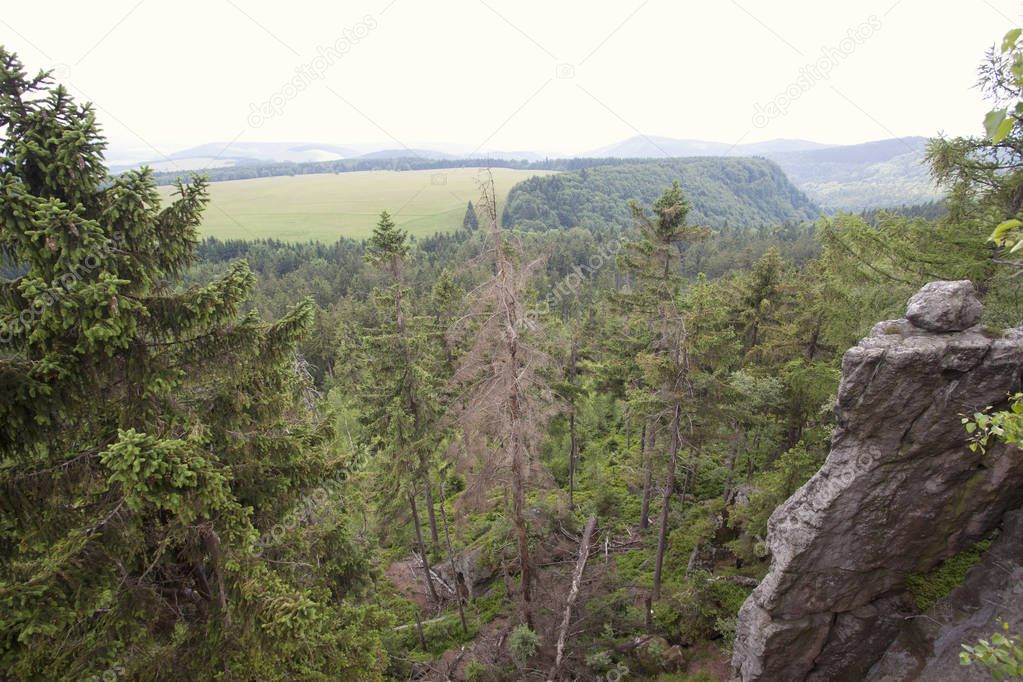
[{"x": 148, "y": 434}]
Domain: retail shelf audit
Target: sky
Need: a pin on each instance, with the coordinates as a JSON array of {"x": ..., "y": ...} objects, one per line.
[{"x": 552, "y": 77}]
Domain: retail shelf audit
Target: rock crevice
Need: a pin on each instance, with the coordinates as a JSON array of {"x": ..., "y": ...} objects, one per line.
[{"x": 899, "y": 492}]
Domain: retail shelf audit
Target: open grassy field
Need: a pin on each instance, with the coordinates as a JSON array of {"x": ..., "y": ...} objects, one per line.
[{"x": 327, "y": 206}]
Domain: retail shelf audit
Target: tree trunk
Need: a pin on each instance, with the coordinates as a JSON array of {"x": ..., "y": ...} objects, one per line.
[
  {"x": 518, "y": 456},
  {"x": 419, "y": 630},
  {"x": 430, "y": 515},
  {"x": 422, "y": 546},
  {"x": 413, "y": 406},
  {"x": 647, "y": 455},
  {"x": 669, "y": 487},
  {"x": 518, "y": 508},
  {"x": 212, "y": 542},
  {"x": 572, "y": 454},
  {"x": 733, "y": 457},
  {"x": 811, "y": 346},
  {"x": 451, "y": 562}
]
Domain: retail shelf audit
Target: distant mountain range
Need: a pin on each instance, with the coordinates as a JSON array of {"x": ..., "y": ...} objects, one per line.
[
  {"x": 884, "y": 173},
  {"x": 644, "y": 147},
  {"x": 880, "y": 174},
  {"x": 221, "y": 154}
]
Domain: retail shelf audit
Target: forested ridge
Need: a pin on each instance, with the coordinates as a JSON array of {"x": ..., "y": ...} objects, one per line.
[
  {"x": 724, "y": 192},
  {"x": 541, "y": 447}
]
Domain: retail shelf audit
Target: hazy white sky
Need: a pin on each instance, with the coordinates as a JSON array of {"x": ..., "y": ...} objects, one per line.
[{"x": 539, "y": 75}]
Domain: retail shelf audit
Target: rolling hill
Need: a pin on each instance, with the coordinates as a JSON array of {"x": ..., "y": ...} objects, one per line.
[
  {"x": 884, "y": 173},
  {"x": 723, "y": 191}
]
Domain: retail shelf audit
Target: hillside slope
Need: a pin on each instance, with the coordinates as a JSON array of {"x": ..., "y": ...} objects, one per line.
[
  {"x": 880, "y": 174},
  {"x": 723, "y": 191}
]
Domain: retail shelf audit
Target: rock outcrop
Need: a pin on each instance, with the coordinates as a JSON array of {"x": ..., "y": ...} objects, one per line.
[
  {"x": 898, "y": 493},
  {"x": 467, "y": 569},
  {"x": 927, "y": 647}
]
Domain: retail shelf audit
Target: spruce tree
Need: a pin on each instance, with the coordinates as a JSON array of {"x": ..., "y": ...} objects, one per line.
[
  {"x": 470, "y": 223},
  {"x": 149, "y": 434},
  {"x": 400, "y": 386},
  {"x": 759, "y": 299},
  {"x": 653, "y": 262}
]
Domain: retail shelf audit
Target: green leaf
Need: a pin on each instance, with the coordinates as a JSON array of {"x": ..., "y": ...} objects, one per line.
[
  {"x": 998, "y": 125},
  {"x": 1009, "y": 41},
  {"x": 993, "y": 121},
  {"x": 1000, "y": 232},
  {"x": 1017, "y": 67},
  {"x": 1003, "y": 130}
]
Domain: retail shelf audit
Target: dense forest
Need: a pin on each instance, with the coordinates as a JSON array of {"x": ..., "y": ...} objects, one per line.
[
  {"x": 543, "y": 447},
  {"x": 723, "y": 191}
]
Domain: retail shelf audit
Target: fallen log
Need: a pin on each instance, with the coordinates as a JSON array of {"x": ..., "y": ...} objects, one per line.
[
  {"x": 438, "y": 619},
  {"x": 743, "y": 580},
  {"x": 573, "y": 593}
]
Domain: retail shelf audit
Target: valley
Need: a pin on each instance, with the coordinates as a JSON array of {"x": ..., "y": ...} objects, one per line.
[{"x": 414, "y": 398}]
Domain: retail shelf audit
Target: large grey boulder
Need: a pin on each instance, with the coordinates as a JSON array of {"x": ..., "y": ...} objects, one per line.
[
  {"x": 469, "y": 570},
  {"x": 945, "y": 306},
  {"x": 898, "y": 493}
]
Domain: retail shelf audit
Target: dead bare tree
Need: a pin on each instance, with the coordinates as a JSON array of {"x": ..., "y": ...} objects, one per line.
[{"x": 505, "y": 402}]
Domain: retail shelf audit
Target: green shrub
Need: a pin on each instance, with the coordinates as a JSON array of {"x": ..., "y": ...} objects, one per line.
[
  {"x": 490, "y": 605},
  {"x": 700, "y": 609},
  {"x": 729, "y": 596},
  {"x": 683, "y": 677},
  {"x": 474, "y": 671},
  {"x": 635, "y": 567},
  {"x": 1003, "y": 655},
  {"x": 616, "y": 612},
  {"x": 928, "y": 588},
  {"x": 523, "y": 644},
  {"x": 725, "y": 626},
  {"x": 599, "y": 661}
]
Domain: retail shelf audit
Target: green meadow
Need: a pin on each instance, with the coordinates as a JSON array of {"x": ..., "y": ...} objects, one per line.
[{"x": 325, "y": 207}]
